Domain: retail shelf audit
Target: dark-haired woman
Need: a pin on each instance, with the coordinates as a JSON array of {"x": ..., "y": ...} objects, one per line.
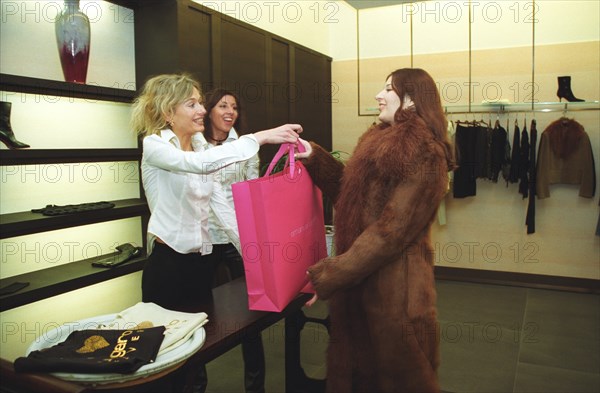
[
  {"x": 223, "y": 123},
  {"x": 380, "y": 284}
]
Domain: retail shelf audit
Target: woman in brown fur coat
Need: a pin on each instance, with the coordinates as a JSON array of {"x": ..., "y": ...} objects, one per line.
[{"x": 380, "y": 285}]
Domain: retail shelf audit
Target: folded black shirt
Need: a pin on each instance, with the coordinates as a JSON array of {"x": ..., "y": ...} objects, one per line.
[{"x": 97, "y": 351}]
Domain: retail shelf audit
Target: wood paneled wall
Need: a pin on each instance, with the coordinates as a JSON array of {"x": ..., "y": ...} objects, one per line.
[{"x": 277, "y": 80}]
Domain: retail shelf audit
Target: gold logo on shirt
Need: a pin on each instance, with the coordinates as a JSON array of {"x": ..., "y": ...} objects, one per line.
[
  {"x": 121, "y": 348},
  {"x": 144, "y": 325},
  {"x": 92, "y": 344}
]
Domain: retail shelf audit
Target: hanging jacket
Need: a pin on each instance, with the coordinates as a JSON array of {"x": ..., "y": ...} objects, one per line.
[
  {"x": 515, "y": 157},
  {"x": 565, "y": 157},
  {"x": 507, "y": 158},
  {"x": 530, "y": 219},
  {"x": 465, "y": 176},
  {"x": 497, "y": 151},
  {"x": 524, "y": 163}
]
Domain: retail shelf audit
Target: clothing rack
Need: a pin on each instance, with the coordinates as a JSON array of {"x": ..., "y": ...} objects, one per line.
[{"x": 544, "y": 107}]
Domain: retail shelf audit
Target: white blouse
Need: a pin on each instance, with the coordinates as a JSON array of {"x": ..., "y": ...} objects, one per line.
[
  {"x": 180, "y": 187},
  {"x": 240, "y": 171}
]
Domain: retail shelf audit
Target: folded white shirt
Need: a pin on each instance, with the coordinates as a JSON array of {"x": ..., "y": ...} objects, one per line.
[{"x": 180, "y": 326}]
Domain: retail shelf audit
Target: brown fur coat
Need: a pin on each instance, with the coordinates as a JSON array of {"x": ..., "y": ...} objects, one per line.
[{"x": 380, "y": 285}]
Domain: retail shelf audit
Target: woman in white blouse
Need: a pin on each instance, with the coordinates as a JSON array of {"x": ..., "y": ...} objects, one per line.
[
  {"x": 177, "y": 175},
  {"x": 224, "y": 124}
]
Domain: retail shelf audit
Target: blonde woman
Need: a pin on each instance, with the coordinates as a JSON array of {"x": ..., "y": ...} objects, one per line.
[{"x": 177, "y": 176}]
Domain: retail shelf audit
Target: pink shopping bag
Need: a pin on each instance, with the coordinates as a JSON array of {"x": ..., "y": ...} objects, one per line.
[{"x": 282, "y": 232}]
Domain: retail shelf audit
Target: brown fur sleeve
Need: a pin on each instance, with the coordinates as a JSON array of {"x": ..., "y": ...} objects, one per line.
[{"x": 325, "y": 171}]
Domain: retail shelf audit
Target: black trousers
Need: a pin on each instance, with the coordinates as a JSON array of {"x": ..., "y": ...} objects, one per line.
[
  {"x": 229, "y": 266},
  {"x": 173, "y": 280}
]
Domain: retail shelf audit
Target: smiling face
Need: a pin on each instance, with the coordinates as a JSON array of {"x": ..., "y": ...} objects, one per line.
[
  {"x": 188, "y": 117},
  {"x": 223, "y": 116},
  {"x": 388, "y": 101}
]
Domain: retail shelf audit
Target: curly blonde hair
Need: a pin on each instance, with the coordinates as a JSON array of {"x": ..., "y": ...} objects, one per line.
[{"x": 157, "y": 101}]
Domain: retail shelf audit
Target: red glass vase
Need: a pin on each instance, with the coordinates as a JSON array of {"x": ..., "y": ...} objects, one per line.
[{"x": 72, "y": 29}]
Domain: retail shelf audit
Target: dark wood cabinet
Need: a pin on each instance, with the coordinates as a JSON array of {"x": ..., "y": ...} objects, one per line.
[
  {"x": 172, "y": 36},
  {"x": 278, "y": 80},
  {"x": 313, "y": 96},
  {"x": 243, "y": 69}
]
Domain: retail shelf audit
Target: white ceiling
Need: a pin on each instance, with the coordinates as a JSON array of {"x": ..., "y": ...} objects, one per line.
[{"x": 361, "y": 4}]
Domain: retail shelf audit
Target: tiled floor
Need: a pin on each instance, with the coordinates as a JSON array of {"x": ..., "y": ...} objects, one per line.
[{"x": 493, "y": 339}]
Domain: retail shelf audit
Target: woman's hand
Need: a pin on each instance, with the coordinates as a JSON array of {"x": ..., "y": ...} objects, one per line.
[
  {"x": 287, "y": 133},
  {"x": 315, "y": 297},
  {"x": 307, "y": 147},
  {"x": 312, "y": 300}
]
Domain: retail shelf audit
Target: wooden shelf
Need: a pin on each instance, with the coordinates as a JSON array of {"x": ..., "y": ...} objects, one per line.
[
  {"x": 54, "y": 281},
  {"x": 23, "y": 84},
  {"x": 79, "y": 274},
  {"x": 60, "y": 156},
  {"x": 24, "y": 223}
]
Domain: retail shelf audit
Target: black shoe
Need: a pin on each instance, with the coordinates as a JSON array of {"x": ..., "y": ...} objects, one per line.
[
  {"x": 7, "y": 136},
  {"x": 564, "y": 90}
]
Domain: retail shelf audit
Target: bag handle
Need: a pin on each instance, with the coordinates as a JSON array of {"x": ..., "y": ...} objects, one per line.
[{"x": 286, "y": 148}]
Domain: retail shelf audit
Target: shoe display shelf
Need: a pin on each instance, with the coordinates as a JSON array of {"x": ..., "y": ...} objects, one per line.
[
  {"x": 523, "y": 107},
  {"x": 78, "y": 274}
]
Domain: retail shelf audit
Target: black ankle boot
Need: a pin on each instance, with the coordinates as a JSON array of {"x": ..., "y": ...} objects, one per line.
[
  {"x": 564, "y": 90},
  {"x": 7, "y": 136}
]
